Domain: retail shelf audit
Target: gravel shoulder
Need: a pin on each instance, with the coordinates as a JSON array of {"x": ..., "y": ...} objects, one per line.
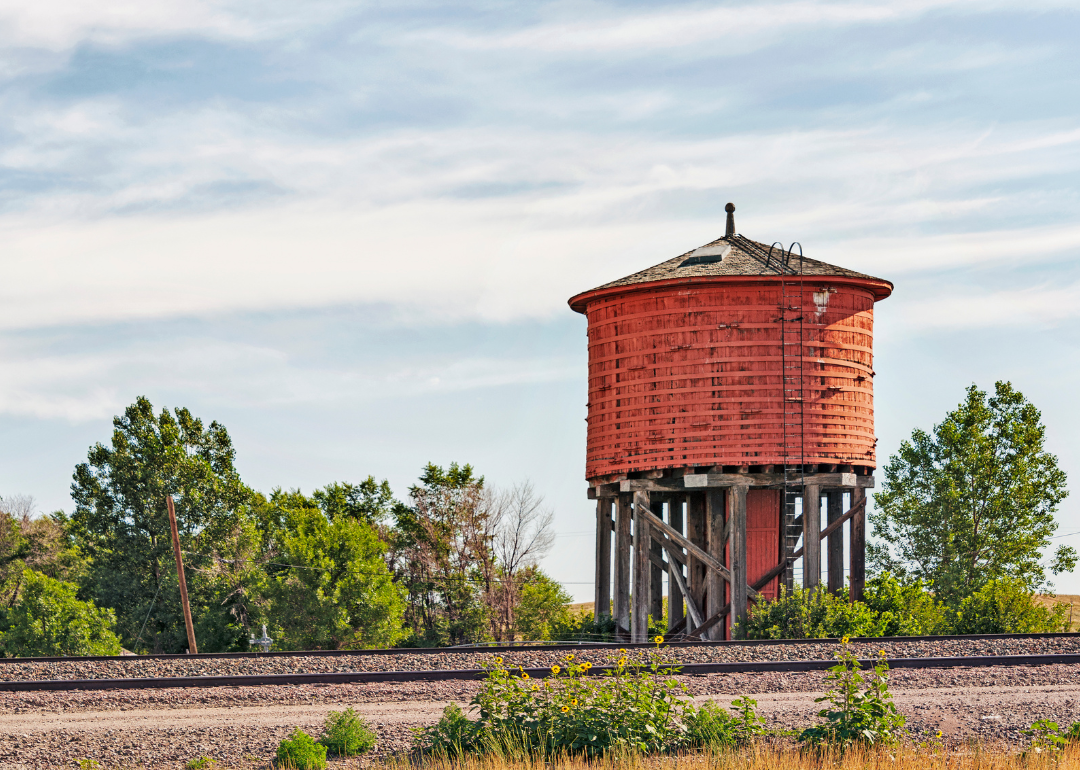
[{"x": 241, "y": 726}]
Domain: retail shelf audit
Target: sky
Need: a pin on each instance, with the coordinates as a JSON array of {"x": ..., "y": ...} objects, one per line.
[{"x": 348, "y": 230}]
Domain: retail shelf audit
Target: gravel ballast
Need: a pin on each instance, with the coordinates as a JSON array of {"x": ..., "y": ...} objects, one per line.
[
  {"x": 241, "y": 726},
  {"x": 137, "y": 667}
]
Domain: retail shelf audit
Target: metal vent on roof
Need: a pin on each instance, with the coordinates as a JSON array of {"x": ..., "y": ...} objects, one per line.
[{"x": 707, "y": 255}]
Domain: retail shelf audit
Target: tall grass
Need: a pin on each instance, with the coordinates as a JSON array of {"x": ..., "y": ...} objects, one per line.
[{"x": 765, "y": 756}]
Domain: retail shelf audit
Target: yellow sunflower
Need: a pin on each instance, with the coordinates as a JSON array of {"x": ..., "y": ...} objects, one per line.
[
  {"x": 659, "y": 640},
  {"x": 573, "y": 701},
  {"x": 555, "y": 669},
  {"x": 565, "y": 709}
]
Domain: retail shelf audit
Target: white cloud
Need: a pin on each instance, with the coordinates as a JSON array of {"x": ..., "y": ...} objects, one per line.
[
  {"x": 929, "y": 253},
  {"x": 86, "y": 386},
  {"x": 736, "y": 29},
  {"x": 389, "y": 220},
  {"x": 62, "y": 24},
  {"x": 1039, "y": 306}
]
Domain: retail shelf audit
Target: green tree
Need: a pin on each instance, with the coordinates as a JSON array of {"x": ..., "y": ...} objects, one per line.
[
  {"x": 49, "y": 619},
  {"x": 973, "y": 500},
  {"x": 443, "y": 556},
  {"x": 33, "y": 542},
  {"x": 121, "y": 519},
  {"x": 369, "y": 501},
  {"x": 330, "y": 587},
  {"x": 542, "y": 610}
]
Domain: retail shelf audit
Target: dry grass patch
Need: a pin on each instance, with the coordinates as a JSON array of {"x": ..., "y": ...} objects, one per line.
[
  {"x": 1073, "y": 602},
  {"x": 772, "y": 757}
]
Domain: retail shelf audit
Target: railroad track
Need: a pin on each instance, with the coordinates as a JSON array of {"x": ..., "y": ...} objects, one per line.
[
  {"x": 356, "y": 677},
  {"x": 534, "y": 648}
]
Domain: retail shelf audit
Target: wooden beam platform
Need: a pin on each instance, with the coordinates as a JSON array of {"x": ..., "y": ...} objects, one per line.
[{"x": 699, "y": 482}]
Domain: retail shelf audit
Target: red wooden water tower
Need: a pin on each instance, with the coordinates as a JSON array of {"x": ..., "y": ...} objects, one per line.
[{"x": 726, "y": 385}]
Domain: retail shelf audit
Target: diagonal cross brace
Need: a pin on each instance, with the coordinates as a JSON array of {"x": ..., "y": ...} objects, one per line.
[
  {"x": 676, "y": 536},
  {"x": 691, "y": 605}
]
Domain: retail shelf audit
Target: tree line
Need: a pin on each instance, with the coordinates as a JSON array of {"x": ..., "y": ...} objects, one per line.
[
  {"x": 348, "y": 566},
  {"x": 960, "y": 525}
]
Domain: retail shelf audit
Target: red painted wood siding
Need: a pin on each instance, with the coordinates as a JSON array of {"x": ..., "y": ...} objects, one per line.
[
  {"x": 690, "y": 375},
  {"x": 762, "y": 536}
]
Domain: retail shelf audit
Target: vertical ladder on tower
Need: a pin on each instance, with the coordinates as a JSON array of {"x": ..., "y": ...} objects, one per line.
[{"x": 792, "y": 353}]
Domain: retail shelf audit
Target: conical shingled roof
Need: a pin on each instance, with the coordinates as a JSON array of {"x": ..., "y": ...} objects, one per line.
[{"x": 735, "y": 256}]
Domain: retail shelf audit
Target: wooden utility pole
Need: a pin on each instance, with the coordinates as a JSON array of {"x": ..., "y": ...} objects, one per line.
[{"x": 193, "y": 649}]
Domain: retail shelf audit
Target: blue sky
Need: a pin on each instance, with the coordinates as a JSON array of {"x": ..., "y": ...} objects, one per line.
[{"x": 348, "y": 230}]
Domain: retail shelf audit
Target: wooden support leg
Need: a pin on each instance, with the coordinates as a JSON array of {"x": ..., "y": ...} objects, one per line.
[
  {"x": 857, "y": 576},
  {"x": 811, "y": 519},
  {"x": 656, "y": 580},
  {"x": 623, "y": 517},
  {"x": 695, "y": 533},
  {"x": 675, "y": 614},
  {"x": 639, "y": 630},
  {"x": 737, "y": 554},
  {"x": 715, "y": 545},
  {"x": 602, "y": 595},
  {"x": 834, "y": 498}
]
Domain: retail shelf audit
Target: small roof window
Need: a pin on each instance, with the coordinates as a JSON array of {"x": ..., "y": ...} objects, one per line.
[{"x": 707, "y": 255}]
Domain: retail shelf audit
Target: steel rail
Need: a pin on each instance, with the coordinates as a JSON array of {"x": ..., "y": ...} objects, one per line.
[
  {"x": 361, "y": 677},
  {"x": 571, "y": 647}
]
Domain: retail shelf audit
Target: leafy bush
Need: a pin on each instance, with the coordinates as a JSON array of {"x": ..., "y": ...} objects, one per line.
[
  {"x": 904, "y": 608},
  {"x": 804, "y": 614},
  {"x": 346, "y": 734},
  {"x": 542, "y": 609},
  {"x": 1006, "y": 606},
  {"x": 581, "y": 626},
  {"x": 453, "y": 735},
  {"x": 49, "y": 619},
  {"x": 711, "y": 727},
  {"x": 1046, "y": 735},
  {"x": 300, "y": 752},
  {"x": 868, "y": 717},
  {"x": 635, "y": 706},
  {"x": 202, "y": 763}
]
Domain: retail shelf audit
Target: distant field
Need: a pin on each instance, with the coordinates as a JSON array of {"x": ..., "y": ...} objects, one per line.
[{"x": 1073, "y": 600}]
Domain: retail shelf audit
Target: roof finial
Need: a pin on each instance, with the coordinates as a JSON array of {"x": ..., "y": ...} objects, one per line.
[{"x": 730, "y": 209}]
